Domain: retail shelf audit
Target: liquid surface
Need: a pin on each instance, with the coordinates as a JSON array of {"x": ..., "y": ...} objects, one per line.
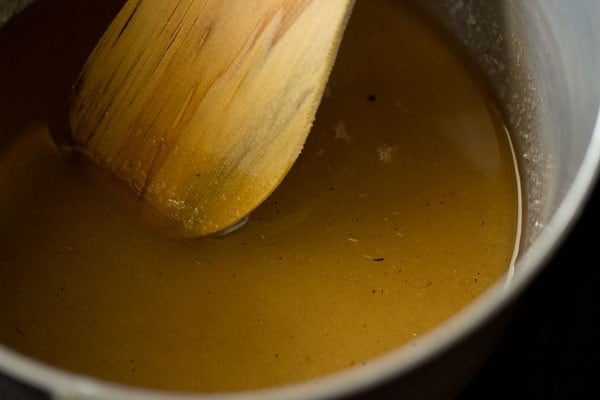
[{"x": 401, "y": 210}]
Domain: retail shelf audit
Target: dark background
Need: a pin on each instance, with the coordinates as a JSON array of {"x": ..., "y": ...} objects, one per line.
[{"x": 551, "y": 348}]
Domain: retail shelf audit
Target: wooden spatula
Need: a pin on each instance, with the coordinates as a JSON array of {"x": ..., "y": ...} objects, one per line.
[{"x": 202, "y": 106}]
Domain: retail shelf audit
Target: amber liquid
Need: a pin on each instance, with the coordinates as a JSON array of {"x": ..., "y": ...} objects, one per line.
[{"x": 400, "y": 211}]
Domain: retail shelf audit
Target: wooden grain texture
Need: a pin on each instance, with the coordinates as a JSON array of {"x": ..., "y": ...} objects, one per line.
[{"x": 202, "y": 106}]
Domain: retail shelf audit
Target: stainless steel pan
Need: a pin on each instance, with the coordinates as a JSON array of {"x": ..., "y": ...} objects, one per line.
[{"x": 543, "y": 59}]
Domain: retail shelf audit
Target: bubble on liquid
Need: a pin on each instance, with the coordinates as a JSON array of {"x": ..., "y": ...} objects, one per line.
[
  {"x": 385, "y": 153},
  {"x": 341, "y": 131}
]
